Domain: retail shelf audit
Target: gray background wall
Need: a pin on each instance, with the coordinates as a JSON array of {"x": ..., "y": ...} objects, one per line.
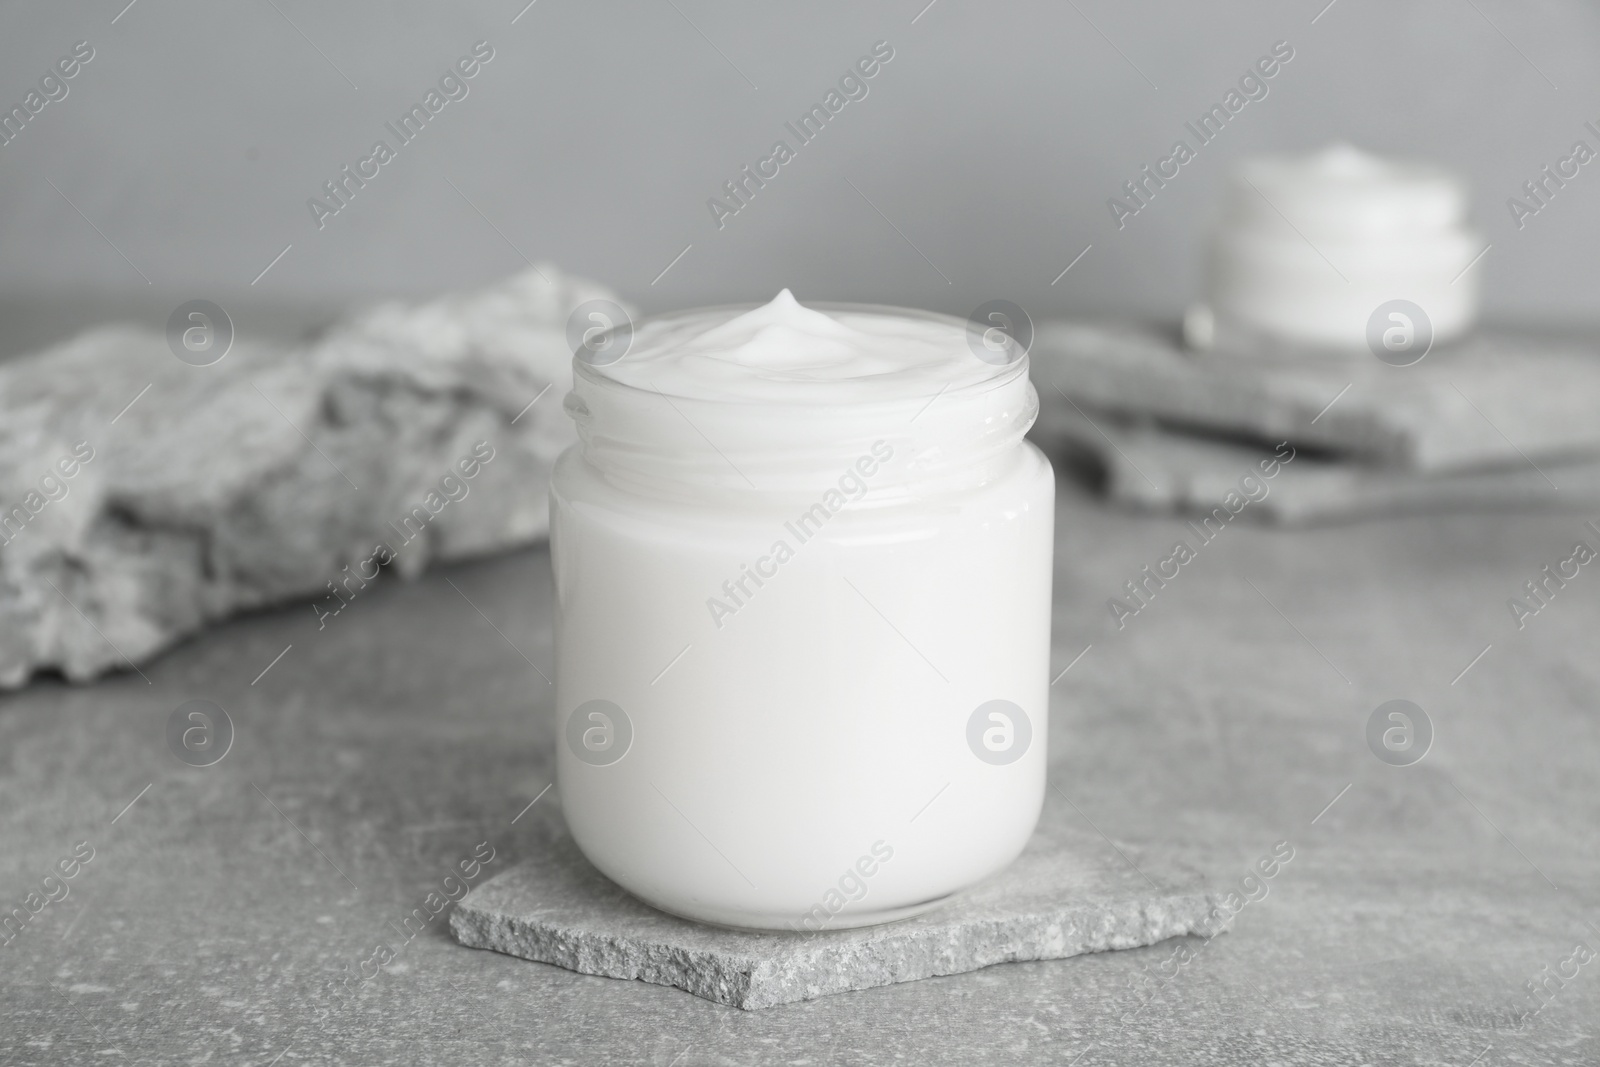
[{"x": 595, "y": 136}]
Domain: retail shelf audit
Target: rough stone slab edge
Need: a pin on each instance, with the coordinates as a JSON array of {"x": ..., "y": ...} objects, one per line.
[
  {"x": 842, "y": 961},
  {"x": 1152, "y": 468},
  {"x": 1418, "y": 422}
]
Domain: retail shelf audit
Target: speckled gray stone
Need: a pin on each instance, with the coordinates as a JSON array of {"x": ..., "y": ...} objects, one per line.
[
  {"x": 197, "y": 492},
  {"x": 1050, "y": 904},
  {"x": 1491, "y": 401}
]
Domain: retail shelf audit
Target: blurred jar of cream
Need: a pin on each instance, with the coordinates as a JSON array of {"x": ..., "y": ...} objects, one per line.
[
  {"x": 802, "y": 562},
  {"x": 1319, "y": 251}
]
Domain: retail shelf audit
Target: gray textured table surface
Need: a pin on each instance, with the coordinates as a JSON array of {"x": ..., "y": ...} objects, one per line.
[{"x": 220, "y": 910}]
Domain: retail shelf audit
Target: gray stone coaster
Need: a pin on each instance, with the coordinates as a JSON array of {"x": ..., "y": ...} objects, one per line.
[
  {"x": 1491, "y": 401},
  {"x": 1068, "y": 894}
]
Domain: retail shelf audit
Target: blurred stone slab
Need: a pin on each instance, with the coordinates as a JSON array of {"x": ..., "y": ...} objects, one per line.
[
  {"x": 1150, "y": 468},
  {"x": 1068, "y": 894},
  {"x": 208, "y": 490},
  {"x": 1490, "y": 401}
]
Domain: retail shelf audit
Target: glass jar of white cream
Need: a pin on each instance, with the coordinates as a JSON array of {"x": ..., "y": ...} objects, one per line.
[{"x": 802, "y": 561}]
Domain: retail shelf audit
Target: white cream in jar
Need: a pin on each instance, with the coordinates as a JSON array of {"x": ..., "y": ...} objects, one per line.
[
  {"x": 803, "y": 564},
  {"x": 1310, "y": 248}
]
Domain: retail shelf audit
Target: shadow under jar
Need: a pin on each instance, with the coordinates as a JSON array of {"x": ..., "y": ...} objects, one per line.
[{"x": 802, "y": 561}]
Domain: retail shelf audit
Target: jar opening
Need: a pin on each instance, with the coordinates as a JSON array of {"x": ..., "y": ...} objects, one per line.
[{"x": 775, "y": 398}]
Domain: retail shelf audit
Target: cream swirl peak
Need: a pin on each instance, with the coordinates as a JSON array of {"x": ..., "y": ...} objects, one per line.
[{"x": 785, "y": 351}]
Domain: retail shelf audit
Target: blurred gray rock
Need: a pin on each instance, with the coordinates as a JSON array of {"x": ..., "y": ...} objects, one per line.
[
  {"x": 196, "y": 492},
  {"x": 1492, "y": 401},
  {"x": 1068, "y": 894}
]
